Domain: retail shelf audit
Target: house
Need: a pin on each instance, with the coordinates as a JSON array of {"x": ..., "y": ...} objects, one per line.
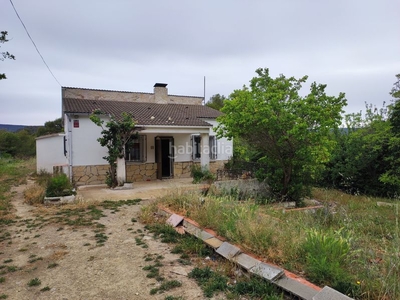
[{"x": 175, "y": 132}]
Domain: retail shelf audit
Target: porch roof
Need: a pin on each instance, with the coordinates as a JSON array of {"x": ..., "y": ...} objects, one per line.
[{"x": 146, "y": 113}]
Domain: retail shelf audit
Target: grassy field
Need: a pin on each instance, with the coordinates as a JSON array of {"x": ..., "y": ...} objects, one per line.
[
  {"x": 351, "y": 244},
  {"x": 12, "y": 173}
]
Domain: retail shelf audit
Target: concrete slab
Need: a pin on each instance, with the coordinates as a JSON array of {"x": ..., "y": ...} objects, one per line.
[
  {"x": 213, "y": 242},
  {"x": 197, "y": 232},
  {"x": 246, "y": 261},
  {"x": 328, "y": 293},
  {"x": 385, "y": 204},
  {"x": 190, "y": 228},
  {"x": 267, "y": 271},
  {"x": 228, "y": 250},
  {"x": 204, "y": 235},
  {"x": 174, "y": 220},
  {"x": 296, "y": 288}
]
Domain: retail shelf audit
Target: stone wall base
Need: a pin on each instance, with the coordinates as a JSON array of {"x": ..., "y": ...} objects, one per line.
[
  {"x": 90, "y": 175},
  {"x": 141, "y": 172}
]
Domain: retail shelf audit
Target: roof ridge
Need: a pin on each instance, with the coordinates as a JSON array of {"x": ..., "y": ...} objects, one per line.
[{"x": 128, "y": 92}]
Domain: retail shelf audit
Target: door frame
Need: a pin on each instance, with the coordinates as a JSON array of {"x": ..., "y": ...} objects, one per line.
[{"x": 158, "y": 155}]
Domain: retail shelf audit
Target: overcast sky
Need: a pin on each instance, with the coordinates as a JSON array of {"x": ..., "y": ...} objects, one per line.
[{"x": 352, "y": 46}]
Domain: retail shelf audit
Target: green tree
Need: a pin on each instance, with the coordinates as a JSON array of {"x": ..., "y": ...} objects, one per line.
[
  {"x": 17, "y": 144},
  {"x": 116, "y": 134},
  {"x": 6, "y": 54},
  {"x": 50, "y": 127},
  {"x": 358, "y": 160},
  {"x": 391, "y": 177},
  {"x": 293, "y": 133},
  {"x": 216, "y": 101}
]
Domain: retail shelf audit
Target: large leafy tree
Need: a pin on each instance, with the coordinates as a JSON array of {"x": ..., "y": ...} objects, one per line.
[
  {"x": 391, "y": 177},
  {"x": 116, "y": 133},
  {"x": 358, "y": 160},
  {"x": 216, "y": 101},
  {"x": 291, "y": 132},
  {"x": 4, "y": 54},
  {"x": 50, "y": 127}
]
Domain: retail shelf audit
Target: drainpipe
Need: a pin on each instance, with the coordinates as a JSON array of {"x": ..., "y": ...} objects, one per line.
[{"x": 69, "y": 141}]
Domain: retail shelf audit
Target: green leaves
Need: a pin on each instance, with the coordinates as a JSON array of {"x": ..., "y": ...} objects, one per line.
[
  {"x": 115, "y": 135},
  {"x": 292, "y": 132}
]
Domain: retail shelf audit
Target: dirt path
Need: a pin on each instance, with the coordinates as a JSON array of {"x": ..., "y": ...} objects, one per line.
[{"x": 69, "y": 261}]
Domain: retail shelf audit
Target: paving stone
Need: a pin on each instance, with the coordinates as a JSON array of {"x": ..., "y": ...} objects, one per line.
[
  {"x": 328, "y": 293},
  {"x": 228, "y": 251},
  {"x": 267, "y": 271},
  {"x": 204, "y": 235},
  {"x": 385, "y": 204},
  {"x": 296, "y": 288},
  {"x": 197, "y": 232},
  {"x": 246, "y": 261},
  {"x": 213, "y": 242},
  {"x": 175, "y": 220},
  {"x": 190, "y": 228}
]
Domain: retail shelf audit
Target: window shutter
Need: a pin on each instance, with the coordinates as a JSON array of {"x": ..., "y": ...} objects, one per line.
[
  {"x": 143, "y": 146},
  {"x": 213, "y": 147}
]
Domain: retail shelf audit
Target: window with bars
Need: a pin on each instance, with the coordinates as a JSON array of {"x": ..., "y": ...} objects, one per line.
[
  {"x": 196, "y": 147},
  {"x": 135, "y": 149}
]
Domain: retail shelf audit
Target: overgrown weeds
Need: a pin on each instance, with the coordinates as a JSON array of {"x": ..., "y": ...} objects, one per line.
[
  {"x": 200, "y": 174},
  {"x": 351, "y": 244},
  {"x": 12, "y": 173}
]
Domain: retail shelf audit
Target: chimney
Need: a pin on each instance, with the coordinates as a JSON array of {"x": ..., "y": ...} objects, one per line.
[{"x": 160, "y": 93}]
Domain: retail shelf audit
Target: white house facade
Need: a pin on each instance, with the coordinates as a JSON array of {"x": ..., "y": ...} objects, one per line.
[{"x": 175, "y": 133}]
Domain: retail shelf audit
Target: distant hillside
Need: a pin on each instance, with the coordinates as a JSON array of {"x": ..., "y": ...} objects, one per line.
[{"x": 15, "y": 128}]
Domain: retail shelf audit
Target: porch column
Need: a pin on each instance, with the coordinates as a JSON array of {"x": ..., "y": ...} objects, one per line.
[
  {"x": 205, "y": 151},
  {"x": 121, "y": 171}
]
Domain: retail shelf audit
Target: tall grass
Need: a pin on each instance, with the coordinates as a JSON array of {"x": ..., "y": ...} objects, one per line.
[
  {"x": 351, "y": 244},
  {"x": 12, "y": 173}
]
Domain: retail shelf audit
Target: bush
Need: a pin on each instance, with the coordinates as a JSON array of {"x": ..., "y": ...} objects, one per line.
[
  {"x": 59, "y": 186},
  {"x": 200, "y": 174}
]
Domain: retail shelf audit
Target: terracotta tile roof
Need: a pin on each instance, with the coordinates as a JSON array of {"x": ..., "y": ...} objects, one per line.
[{"x": 146, "y": 113}]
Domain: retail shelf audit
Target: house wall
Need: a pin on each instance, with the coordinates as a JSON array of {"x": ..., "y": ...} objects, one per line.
[
  {"x": 86, "y": 150},
  {"x": 50, "y": 152},
  {"x": 129, "y": 96},
  {"x": 89, "y": 167},
  {"x": 225, "y": 146}
]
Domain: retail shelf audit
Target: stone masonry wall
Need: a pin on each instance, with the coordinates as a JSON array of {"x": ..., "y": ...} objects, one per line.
[
  {"x": 217, "y": 164},
  {"x": 182, "y": 169},
  {"x": 88, "y": 175},
  {"x": 141, "y": 172},
  {"x": 79, "y": 93}
]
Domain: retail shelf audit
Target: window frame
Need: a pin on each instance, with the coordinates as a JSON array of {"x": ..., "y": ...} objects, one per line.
[
  {"x": 196, "y": 147},
  {"x": 142, "y": 141}
]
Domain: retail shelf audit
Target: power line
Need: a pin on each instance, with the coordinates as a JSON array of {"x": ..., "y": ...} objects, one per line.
[{"x": 48, "y": 68}]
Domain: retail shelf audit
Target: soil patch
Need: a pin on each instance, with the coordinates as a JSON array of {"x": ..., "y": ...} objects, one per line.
[{"x": 76, "y": 254}]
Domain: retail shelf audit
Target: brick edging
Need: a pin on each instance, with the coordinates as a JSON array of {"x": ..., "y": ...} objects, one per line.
[{"x": 282, "y": 278}]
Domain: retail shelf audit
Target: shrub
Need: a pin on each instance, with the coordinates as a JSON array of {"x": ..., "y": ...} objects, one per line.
[
  {"x": 34, "y": 282},
  {"x": 59, "y": 185},
  {"x": 200, "y": 174}
]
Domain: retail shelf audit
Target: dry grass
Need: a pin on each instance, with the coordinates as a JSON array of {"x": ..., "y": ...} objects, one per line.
[
  {"x": 13, "y": 172},
  {"x": 34, "y": 194},
  {"x": 57, "y": 255}
]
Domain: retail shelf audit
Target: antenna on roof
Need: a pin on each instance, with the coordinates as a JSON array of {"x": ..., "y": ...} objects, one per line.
[{"x": 204, "y": 98}]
